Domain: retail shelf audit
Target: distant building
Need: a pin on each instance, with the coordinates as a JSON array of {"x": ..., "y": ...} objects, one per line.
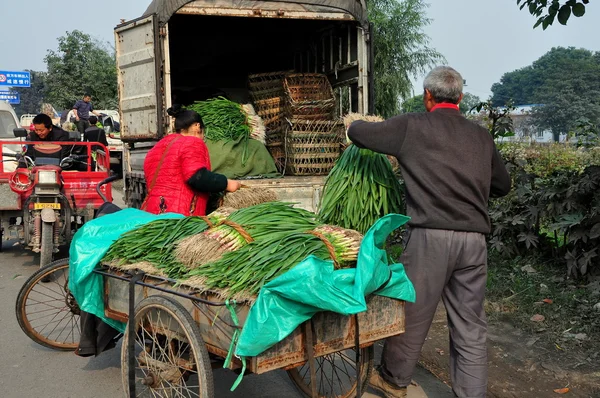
[{"x": 525, "y": 128}]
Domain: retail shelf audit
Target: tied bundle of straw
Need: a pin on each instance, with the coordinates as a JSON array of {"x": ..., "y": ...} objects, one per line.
[{"x": 246, "y": 197}]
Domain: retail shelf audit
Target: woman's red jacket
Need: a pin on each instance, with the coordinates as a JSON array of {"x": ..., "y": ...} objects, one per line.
[{"x": 184, "y": 156}]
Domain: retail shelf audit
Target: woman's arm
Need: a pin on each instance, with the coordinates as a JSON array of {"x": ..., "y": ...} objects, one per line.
[{"x": 207, "y": 181}]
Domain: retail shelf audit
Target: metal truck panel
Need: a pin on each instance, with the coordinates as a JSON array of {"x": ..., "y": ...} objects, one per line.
[{"x": 137, "y": 54}]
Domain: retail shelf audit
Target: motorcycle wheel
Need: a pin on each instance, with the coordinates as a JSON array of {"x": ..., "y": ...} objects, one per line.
[{"x": 47, "y": 244}]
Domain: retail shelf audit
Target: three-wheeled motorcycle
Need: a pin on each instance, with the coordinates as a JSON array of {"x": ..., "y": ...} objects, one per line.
[{"x": 44, "y": 200}]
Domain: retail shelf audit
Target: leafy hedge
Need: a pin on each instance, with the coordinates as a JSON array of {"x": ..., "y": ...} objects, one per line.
[{"x": 554, "y": 207}]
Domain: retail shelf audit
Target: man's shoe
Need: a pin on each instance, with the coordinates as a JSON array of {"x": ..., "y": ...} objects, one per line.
[{"x": 389, "y": 390}]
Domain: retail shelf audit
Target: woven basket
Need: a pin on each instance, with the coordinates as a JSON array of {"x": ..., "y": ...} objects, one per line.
[
  {"x": 312, "y": 146},
  {"x": 308, "y": 96},
  {"x": 278, "y": 155},
  {"x": 266, "y": 85}
]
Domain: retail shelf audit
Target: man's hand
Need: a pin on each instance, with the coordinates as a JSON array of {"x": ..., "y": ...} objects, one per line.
[{"x": 233, "y": 185}]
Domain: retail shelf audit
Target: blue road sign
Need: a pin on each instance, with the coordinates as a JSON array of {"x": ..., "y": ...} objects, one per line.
[
  {"x": 15, "y": 79},
  {"x": 11, "y": 97}
]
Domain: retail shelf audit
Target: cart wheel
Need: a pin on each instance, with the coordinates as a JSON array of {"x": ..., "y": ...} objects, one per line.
[
  {"x": 47, "y": 311},
  {"x": 170, "y": 356},
  {"x": 336, "y": 374}
]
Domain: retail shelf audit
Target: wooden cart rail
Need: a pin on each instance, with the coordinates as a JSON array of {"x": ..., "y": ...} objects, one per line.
[{"x": 332, "y": 332}]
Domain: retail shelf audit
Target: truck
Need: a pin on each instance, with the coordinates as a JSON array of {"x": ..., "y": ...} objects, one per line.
[{"x": 180, "y": 50}]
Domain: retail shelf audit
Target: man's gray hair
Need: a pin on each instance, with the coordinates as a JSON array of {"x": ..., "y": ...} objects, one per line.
[{"x": 445, "y": 84}]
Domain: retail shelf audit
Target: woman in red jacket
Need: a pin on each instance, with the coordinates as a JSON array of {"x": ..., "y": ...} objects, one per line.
[{"x": 177, "y": 170}]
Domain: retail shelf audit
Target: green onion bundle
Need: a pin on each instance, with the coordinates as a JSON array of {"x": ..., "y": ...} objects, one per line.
[
  {"x": 223, "y": 119},
  {"x": 242, "y": 273},
  {"x": 242, "y": 226},
  {"x": 360, "y": 189},
  {"x": 229, "y": 121},
  {"x": 154, "y": 242}
]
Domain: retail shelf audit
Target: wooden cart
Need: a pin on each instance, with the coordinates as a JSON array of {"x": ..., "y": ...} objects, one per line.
[{"x": 180, "y": 334}]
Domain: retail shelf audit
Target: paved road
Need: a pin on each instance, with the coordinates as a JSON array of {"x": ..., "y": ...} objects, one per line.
[{"x": 29, "y": 370}]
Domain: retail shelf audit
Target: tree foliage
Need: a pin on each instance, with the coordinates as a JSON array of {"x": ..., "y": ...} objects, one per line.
[
  {"x": 564, "y": 84},
  {"x": 81, "y": 65},
  {"x": 32, "y": 97},
  {"x": 415, "y": 104},
  {"x": 547, "y": 11},
  {"x": 554, "y": 207},
  {"x": 469, "y": 102},
  {"x": 401, "y": 50}
]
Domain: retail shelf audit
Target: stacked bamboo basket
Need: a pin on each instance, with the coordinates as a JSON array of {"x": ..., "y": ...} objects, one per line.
[{"x": 303, "y": 134}]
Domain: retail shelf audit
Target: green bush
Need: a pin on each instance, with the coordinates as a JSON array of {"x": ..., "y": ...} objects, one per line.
[{"x": 554, "y": 207}]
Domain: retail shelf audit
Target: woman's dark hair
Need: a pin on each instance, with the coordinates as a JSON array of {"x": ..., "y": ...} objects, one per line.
[
  {"x": 184, "y": 118},
  {"x": 44, "y": 119}
]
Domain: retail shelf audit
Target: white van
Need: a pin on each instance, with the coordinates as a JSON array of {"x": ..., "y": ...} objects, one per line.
[{"x": 8, "y": 122}]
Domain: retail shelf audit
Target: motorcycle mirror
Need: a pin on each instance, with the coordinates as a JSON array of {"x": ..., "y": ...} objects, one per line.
[{"x": 20, "y": 133}]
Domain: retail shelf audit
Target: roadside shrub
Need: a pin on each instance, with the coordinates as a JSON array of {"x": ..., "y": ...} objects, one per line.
[{"x": 554, "y": 207}]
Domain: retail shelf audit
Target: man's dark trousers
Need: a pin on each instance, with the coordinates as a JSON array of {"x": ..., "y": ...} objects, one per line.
[
  {"x": 450, "y": 265},
  {"x": 82, "y": 124}
]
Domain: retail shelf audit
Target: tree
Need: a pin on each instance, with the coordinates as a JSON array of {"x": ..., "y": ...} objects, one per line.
[
  {"x": 563, "y": 109},
  {"x": 469, "y": 102},
  {"x": 401, "y": 50},
  {"x": 546, "y": 11},
  {"x": 414, "y": 104},
  {"x": 81, "y": 65},
  {"x": 560, "y": 98},
  {"x": 32, "y": 97}
]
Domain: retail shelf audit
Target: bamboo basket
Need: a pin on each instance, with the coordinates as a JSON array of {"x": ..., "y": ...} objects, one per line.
[
  {"x": 308, "y": 96},
  {"x": 312, "y": 146}
]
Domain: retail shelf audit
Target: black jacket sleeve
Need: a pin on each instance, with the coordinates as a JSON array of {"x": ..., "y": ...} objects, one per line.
[
  {"x": 501, "y": 182},
  {"x": 383, "y": 137},
  {"x": 207, "y": 181}
]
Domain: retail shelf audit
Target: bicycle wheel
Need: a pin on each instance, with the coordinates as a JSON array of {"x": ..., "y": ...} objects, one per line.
[
  {"x": 170, "y": 356},
  {"x": 47, "y": 311},
  {"x": 336, "y": 374}
]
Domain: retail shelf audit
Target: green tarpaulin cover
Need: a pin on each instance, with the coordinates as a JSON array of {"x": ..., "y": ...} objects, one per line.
[
  {"x": 226, "y": 158},
  {"x": 283, "y": 304}
]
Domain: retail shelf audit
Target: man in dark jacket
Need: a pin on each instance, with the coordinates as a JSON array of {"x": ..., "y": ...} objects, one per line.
[
  {"x": 95, "y": 133},
  {"x": 45, "y": 131},
  {"x": 451, "y": 167},
  {"x": 82, "y": 109}
]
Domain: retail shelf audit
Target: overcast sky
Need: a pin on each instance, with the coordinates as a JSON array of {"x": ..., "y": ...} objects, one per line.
[{"x": 482, "y": 39}]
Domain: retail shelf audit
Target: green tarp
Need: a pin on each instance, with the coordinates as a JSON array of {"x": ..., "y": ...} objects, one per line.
[
  {"x": 88, "y": 247},
  {"x": 282, "y": 305},
  {"x": 226, "y": 158},
  {"x": 313, "y": 286}
]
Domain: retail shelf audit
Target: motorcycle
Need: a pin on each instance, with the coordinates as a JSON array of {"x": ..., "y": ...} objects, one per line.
[{"x": 45, "y": 200}]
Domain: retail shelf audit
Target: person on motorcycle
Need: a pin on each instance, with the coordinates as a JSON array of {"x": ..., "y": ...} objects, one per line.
[
  {"x": 43, "y": 130},
  {"x": 177, "y": 170},
  {"x": 95, "y": 133}
]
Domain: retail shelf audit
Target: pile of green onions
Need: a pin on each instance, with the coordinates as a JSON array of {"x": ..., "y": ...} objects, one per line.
[{"x": 360, "y": 189}]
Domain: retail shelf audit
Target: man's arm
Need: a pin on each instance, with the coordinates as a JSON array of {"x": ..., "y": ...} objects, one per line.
[
  {"x": 383, "y": 137},
  {"x": 29, "y": 152},
  {"x": 501, "y": 182}
]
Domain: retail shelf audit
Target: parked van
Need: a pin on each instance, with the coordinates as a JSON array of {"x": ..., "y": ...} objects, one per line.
[{"x": 8, "y": 122}]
